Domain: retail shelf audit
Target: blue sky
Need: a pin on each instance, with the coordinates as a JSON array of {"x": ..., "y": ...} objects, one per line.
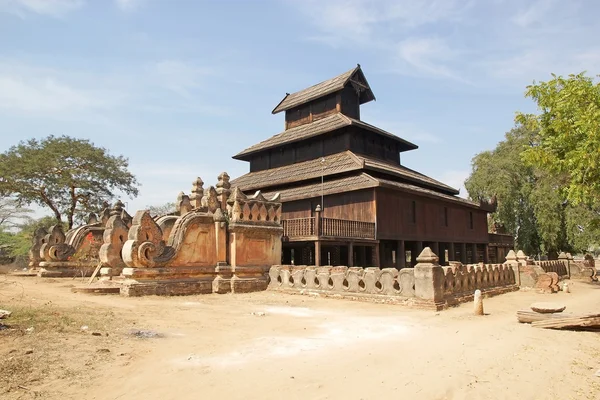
[{"x": 179, "y": 87}]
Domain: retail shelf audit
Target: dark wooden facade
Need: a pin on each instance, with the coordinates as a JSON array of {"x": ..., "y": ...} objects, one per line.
[{"x": 347, "y": 199}]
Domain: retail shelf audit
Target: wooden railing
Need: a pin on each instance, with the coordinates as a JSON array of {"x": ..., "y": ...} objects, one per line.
[
  {"x": 344, "y": 228},
  {"x": 299, "y": 227},
  {"x": 328, "y": 227},
  {"x": 502, "y": 239}
]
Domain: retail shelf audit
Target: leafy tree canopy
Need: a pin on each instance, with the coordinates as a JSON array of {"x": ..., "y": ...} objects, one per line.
[
  {"x": 69, "y": 176},
  {"x": 567, "y": 142},
  {"x": 162, "y": 209},
  {"x": 531, "y": 205}
]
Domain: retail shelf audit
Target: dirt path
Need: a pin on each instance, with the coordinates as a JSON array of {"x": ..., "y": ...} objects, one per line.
[{"x": 273, "y": 346}]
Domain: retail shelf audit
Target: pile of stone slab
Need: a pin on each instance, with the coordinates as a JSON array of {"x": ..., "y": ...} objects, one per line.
[{"x": 551, "y": 316}]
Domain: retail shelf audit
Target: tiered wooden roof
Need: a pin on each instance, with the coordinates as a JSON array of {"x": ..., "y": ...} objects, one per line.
[
  {"x": 358, "y": 182},
  {"x": 319, "y": 127},
  {"x": 335, "y": 164},
  {"x": 344, "y": 171},
  {"x": 355, "y": 75}
]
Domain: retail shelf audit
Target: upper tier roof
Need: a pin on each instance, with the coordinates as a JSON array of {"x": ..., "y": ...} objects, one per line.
[
  {"x": 335, "y": 164},
  {"x": 319, "y": 127},
  {"x": 359, "y": 181},
  {"x": 326, "y": 87}
]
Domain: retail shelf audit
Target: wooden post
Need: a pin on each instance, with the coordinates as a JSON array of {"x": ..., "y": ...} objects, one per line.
[
  {"x": 362, "y": 256},
  {"x": 318, "y": 222},
  {"x": 418, "y": 250},
  {"x": 317, "y": 253},
  {"x": 400, "y": 255},
  {"x": 486, "y": 254},
  {"x": 463, "y": 253},
  {"x": 351, "y": 254},
  {"x": 435, "y": 247},
  {"x": 376, "y": 258},
  {"x": 451, "y": 252},
  {"x": 474, "y": 257}
]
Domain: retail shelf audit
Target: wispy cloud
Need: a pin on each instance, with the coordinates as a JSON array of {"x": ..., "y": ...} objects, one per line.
[
  {"x": 389, "y": 26},
  {"x": 180, "y": 77},
  {"x": 45, "y": 91},
  {"x": 62, "y": 94},
  {"x": 128, "y": 5},
  {"x": 501, "y": 43},
  {"x": 54, "y": 8},
  {"x": 427, "y": 56},
  {"x": 534, "y": 13}
]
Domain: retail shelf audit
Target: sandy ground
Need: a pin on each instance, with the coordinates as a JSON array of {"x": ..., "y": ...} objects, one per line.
[{"x": 275, "y": 346}]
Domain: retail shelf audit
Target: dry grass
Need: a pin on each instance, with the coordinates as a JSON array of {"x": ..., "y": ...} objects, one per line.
[{"x": 41, "y": 343}]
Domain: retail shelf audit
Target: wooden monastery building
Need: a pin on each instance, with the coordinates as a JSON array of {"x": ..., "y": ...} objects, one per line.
[{"x": 347, "y": 199}]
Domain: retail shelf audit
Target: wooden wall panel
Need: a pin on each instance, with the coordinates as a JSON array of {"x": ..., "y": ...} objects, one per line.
[
  {"x": 282, "y": 156},
  {"x": 357, "y": 206},
  {"x": 297, "y": 116},
  {"x": 394, "y": 219},
  {"x": 350, "y": 103},
  {"x": 259, "y": 162}
]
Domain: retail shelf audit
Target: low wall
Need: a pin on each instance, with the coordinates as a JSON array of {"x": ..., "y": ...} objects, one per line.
[
  {"x": 427, "y": 285},
  {"x": 461, "y": 281},
  {"x": 343, "y": 280},
  {"x": 558, "y": 266}
]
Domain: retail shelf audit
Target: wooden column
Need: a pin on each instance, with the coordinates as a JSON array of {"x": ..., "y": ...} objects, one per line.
[
  {"x": 400, "y": 255},
  {"x": 317, "y": 253},
  {"x": 486, "y": 253},
  {"x": 463, "y": 253},
  {"x": 418, "y": 247},
  {"x": 376, "y": 258},
  {"x": 451, "y": 252},
  {"x": 435, "y": 247},
  {"x": 474, "y": 257},
  {"x": 362, "y": 256},
  {"x": 351, "y": 254},
  {"x": 318, "y": 221}
]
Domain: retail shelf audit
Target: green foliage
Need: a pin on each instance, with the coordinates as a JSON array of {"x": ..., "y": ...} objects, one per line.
[
  {"x": 11, "y": 213},
  {"x": 18, "y": 244},
  {"x": 531, "y": 205},
  {"x": 501, "y": 172},
  {"x": 567, "y": 143},
  {"x": 162, "y": 209},
  {"x": 69, "y": 176}
]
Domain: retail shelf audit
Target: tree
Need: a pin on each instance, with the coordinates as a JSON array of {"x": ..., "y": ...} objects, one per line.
[
  {"x": 568, "y": 134},
  {"x": 69, "y": 176},
  {"x": 11, "y": 213},
  {"x": 502, "y": 173},
  {"x": 162, "y": 209},
  {"x": 531, "y": 205}
]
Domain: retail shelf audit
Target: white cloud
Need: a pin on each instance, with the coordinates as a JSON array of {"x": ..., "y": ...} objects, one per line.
[
  {"x": 533, "y": 14},
  {"x": 429, "y": 56},
  {"x": 179, "y": 76},
  {"x": 45, "y": 95},
  {"x": 55, "y": 8},
  {"x": 128, "y": 5},
  {"x": 387, "y": 27}
]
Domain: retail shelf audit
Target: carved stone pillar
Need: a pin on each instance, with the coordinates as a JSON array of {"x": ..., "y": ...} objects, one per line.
[{"x": 429, "y": 279}]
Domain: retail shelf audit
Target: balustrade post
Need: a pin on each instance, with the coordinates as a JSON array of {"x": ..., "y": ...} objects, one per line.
[{"x": 318, "y": 221}]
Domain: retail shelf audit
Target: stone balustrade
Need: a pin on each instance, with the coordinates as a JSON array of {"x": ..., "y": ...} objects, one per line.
[
  {"x": 559, "y": 266},
  {"x": 428, "y": 284},
  {"x": 352, "y": 280},
  {"x": 461, "y": 281}
]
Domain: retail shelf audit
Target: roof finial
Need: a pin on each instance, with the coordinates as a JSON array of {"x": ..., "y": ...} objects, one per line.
[
  {"x": 358, "y": 65},
  {"x": 287, "y": 94}
]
